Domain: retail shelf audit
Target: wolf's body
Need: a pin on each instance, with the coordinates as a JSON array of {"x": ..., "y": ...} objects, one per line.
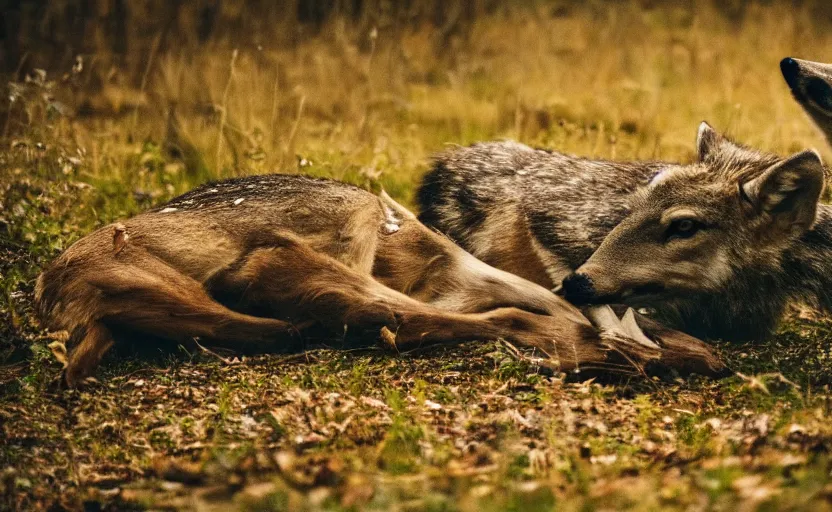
[
  {"x": 557, "y": 206},
  {"x": 240, "y": 262},
  {"x": 543, "y": 215}
]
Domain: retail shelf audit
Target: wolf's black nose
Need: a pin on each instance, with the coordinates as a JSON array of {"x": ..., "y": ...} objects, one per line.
[
  {"x": 578, "y": 289},
  {"x": 791, "y": 70}
]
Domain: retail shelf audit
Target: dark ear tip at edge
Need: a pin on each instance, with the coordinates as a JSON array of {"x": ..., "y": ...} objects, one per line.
[{"x": 789, "y": 65}]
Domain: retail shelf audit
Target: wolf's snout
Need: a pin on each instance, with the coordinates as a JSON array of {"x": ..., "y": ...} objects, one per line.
[
  {"x": 578, "y": 289},
  {"x": 791, "y": 71}
]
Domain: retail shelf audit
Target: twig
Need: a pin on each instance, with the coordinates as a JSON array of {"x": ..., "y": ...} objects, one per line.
[
  {"x": 224, "y": 107},
  {"x": 275, "y": 92},
  {"x": 753, "y": 382},
  {"x": 211, "y": 352},
  {"x": 758, "y": 381},
  {"x": 291, "y": 142},
  {"x": 303, "y": 356},
  {"x": 684, "y": 411},
  {"x": 511, "y": 348},
  {"x": 153, "y": 49},
  {"x": 373, "y": 37},
  {"x": 9, "y": 113}
]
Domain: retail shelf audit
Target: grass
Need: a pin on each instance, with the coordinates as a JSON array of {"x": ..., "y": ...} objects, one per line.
[{"x": 463, "y": 428}]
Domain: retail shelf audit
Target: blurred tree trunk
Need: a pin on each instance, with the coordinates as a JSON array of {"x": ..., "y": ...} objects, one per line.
[{"x": 10, "y": 53}]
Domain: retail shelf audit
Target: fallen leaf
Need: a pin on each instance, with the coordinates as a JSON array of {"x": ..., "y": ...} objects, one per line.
[
  {"x": 388, "y": 338},
  {"x": 59, "y": 351},
  {"x": 374, "y": 402}
]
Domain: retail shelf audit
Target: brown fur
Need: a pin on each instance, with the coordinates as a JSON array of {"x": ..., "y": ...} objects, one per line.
[{"x": 239, "y": 263}]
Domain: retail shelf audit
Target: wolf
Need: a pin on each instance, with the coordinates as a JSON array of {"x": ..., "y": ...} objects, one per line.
[
  {"x": 247, "y": 263},
  {"x": 811, "y": 85},
  {"x": 715, "y": 248}
]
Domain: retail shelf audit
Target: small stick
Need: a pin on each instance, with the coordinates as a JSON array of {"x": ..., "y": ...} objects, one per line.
[
  {"x": 275, "y": 98},
  {"x": 291, "y": 142},
  {"x": 224, "y": 107},
  {"x": 153, "y": 49},
  {"x": 212, "y": 353}
]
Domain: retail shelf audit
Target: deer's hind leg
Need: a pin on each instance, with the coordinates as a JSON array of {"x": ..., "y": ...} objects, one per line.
[
  {"x": 290, "y": 278},
  {"x": 92, "y": 341},
  {"x": 150, "y": 296},
  {"x": 137, "y": 291}
]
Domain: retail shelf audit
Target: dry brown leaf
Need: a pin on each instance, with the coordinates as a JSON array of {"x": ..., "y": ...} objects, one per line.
[
  {"x": 388, "y": 338},
  {"x": 59, "y": 351}
]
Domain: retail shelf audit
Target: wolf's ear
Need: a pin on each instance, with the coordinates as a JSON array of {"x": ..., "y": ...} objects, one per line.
[
  {"x": 788, "y": 192},
  {"x": 707, "y": 140}
]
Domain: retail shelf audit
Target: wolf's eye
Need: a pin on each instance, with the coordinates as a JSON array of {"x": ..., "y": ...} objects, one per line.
[{"x": 683, "y": 228}]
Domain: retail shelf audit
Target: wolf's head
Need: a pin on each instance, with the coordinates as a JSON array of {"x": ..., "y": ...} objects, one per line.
[
  {"x": 697, "y": 229},
  {"x": 811, "y": 85}
]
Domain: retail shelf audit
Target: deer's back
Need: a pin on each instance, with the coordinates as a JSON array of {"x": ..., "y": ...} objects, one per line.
[{"x": 210, "y": 227}]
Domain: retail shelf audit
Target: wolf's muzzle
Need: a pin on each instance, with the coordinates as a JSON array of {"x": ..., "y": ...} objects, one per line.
[{"x": 578, "y": 289}]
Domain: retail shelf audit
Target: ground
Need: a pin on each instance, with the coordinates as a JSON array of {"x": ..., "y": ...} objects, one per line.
[{"x": 468, "y": 427}]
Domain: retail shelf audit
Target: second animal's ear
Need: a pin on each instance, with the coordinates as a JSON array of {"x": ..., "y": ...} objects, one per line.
[
  {"x": 707, "y": 140},
  {"x": 788, "y": 192}
]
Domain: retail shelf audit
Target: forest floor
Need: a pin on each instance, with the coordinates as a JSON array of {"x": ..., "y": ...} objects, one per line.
[{"x": 467, "y": 427}]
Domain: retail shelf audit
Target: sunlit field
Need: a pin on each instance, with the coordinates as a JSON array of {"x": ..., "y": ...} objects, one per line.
[{"x": 368, "y": 99}]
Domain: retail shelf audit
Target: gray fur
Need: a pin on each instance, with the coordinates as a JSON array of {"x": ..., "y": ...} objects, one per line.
[
  {"x": 811, "y": 85},
  {"x": 739, "y": 281},
  {"x": 571, "y": 203}
]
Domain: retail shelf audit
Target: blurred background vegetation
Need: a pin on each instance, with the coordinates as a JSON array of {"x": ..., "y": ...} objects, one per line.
[{"x": 247, "y": 86}]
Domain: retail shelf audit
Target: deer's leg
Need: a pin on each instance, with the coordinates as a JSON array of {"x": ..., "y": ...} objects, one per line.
[
  {"x": 682, "y": 351},
  {"x": 427, "y": 266},
  {"x": 289, "y": 278},
  {"x": 182, "y": 314},
  {"x": 142, "y": 293},
  {"x": 150, "y": 296},
  {"x": 92, "y": 342}
]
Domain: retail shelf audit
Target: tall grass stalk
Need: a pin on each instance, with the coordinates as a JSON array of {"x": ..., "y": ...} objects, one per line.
[{"x": 224, "y": 110}]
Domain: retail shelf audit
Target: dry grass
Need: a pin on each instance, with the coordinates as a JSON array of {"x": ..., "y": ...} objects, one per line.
[{"x": 608, "y": 81}]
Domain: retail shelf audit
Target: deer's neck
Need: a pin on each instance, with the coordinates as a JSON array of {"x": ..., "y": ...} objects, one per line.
[{"x": 809, "y": 267}]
